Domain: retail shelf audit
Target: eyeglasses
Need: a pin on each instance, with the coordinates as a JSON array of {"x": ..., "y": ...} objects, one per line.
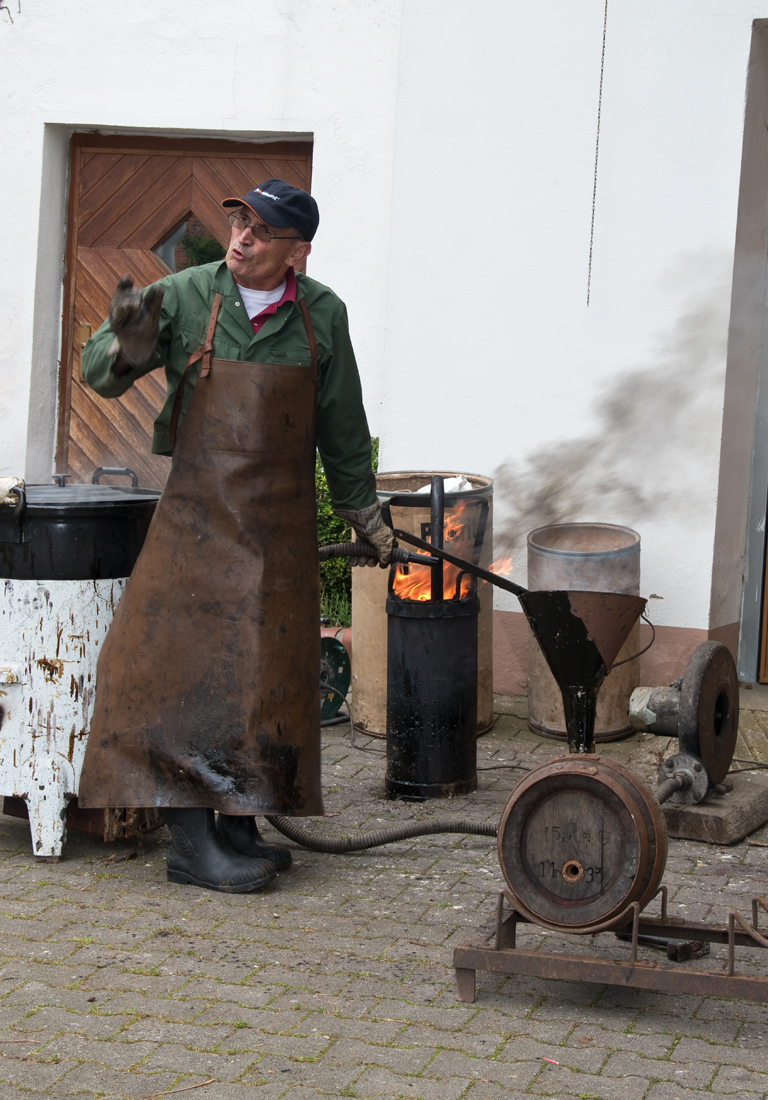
[{"x": 258, "y": 229}]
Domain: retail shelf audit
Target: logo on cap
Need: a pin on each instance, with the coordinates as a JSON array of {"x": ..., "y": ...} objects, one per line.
[{"x": 267, "y": 194}]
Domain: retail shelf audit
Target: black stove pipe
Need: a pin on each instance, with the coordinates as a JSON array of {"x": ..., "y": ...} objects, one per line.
[{"x": 437, "y": 522}]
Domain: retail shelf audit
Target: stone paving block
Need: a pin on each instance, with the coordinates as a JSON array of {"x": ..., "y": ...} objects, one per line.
[
  {"x": 558, "y": 1079},
  {"x": 268, "y": 1020},
  {"x": 713, "y": 1031},
  {"x": 688, "y": 1072},
  {"x": 454, "y": 1064},
  {"x": 398, "y": 1008},
  {"x": 29, "y": 928},
  {"x": 159, "y": 1031},
  {"x": 165, "y": 1008},
  {"x": 13, "y": 1013},
  {"x": 382, "y": 1082},
  {"x": 30, "y": 1073},
  {"x": 346, "y": 964},
  {"x": 295, "y": 1047},
  {"x": 735, "y": 1078},
  {"x": 315, "y": 1075},
  {"x": 507, "y": 1026},
  {"x": 480, "y": 1046},
  {"x": 178, "y": 1059},
  {"x": 252, "y": 995},
  {"x": 99, "y": 1080},
  {"x": 12, "y": 1092},
  {"x": 667, "y": 1090},
  {"x": 348, "y": 1007},
  {"x": 321, "y": 1023},
  {"x": 91, "y": 1025},
  {"x": 115, "y": 1055},
  {"x": 587, "y": 1057},
  {"x": 38, "y": 951},
  {"x": 188, "y": 966},
  {"x": 225, "y": 1012},
  {"x": 413, "y": 952},
  {"x": 751, "y": 1057},
  {"x": 401, "y": 1060},
  {"x": 752, "y": 1035},
  {"x": 228, "y": 1090},
  {"x": 488, "y": 1090},
  {"x": 47, "y": 1021},
  {"x": 595, "y": 1036}
]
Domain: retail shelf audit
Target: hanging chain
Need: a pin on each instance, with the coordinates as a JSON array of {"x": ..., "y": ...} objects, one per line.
[{"x": 597, "y": 150}]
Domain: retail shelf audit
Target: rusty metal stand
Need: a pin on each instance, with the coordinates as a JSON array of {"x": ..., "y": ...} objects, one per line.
[{"x": 505, "y": 958}]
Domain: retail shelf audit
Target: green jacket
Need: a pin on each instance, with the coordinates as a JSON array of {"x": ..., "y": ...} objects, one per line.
[{"x": 343, "y": 438}]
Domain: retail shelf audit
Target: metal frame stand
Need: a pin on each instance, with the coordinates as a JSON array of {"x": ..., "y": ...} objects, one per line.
[{"x": 505, "y": 958}]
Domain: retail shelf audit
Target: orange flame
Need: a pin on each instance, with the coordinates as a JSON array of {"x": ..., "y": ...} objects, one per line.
[
  {"x": 414, "y": 582},
  {"x": 502, "y": 566}
]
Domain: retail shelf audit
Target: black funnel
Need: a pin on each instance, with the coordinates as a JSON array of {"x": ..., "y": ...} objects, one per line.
[{"x": 580, "y": 634}]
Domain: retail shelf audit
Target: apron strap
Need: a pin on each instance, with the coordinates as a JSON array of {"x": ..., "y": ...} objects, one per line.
[
  {"x": 204, "y": 353},
  {"x": 310, "y": 336}
]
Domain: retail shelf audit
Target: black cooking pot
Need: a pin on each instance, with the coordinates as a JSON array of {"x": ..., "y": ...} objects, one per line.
[{"x": 75, "y": 532}]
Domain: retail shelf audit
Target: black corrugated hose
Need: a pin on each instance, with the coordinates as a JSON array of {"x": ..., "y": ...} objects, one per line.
[
  {"x": 343, "y": 844},
  {"x": 365, "y": 550}
]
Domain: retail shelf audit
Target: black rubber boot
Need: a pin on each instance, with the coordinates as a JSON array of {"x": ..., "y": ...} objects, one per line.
[
  {"x": 199, "y": 856},
  {"x": 243, "y": 836}
]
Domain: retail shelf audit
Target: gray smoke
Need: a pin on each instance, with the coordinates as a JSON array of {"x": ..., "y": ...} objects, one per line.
[{"x": 655, "y": 450}]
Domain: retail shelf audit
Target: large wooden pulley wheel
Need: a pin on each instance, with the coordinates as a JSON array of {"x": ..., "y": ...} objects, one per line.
[
  {"x": 709, "y": 708},
  {"x": 580, "y": 839}
]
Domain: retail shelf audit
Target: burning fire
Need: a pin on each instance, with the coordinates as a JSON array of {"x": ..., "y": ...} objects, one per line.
[{"x": 414, "y": 582}]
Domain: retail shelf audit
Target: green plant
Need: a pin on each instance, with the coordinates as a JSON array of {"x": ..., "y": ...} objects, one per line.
[
  {"x": 201, "y": 250},
  {"x": 336, "y": 574}
]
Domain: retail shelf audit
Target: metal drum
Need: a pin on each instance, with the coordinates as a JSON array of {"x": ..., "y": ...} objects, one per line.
[
  {"x": 474, "y": 509},
  {"x": 583, "y": 557},
  {"x": 65, "y": 555},
  {"x": 431, "y": 698}
]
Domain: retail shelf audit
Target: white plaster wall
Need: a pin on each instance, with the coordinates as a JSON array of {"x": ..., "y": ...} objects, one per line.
[
  {"x": 494, "y": 162},
  {"x": 454, "y": 149},
  {"x": 238, "y": 68}
]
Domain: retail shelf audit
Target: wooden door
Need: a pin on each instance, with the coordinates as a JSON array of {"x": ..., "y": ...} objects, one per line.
[{"x": 142, "y": 206}]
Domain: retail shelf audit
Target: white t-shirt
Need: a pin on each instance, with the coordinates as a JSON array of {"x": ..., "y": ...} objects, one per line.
[{"x": 257, "y": 300}]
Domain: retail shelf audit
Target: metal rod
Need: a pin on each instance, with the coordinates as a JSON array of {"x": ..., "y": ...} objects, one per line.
[
  {"x": 437, "y": 521},
  {"x": 483, "y": 574}
]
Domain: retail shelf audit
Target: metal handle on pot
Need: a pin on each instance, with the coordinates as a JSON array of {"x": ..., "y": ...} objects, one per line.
[
  {"x": 21, "y": 504},
  {"x": 19, "y": 509},
  {"x": 114, "y": 471}
]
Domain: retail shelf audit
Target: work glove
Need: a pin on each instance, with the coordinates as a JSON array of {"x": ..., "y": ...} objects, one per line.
[
  {"x": 135, "y": 321},
  {"x": 368, "y": 525}
]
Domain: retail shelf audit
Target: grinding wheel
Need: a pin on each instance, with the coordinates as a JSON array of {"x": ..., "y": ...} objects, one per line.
[
  {"x": 580, "y": 839},
  {"x": 709, "y": 708}
]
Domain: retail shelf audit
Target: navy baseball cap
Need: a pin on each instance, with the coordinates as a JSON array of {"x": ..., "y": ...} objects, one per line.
[{"x": 277, "y": 203}]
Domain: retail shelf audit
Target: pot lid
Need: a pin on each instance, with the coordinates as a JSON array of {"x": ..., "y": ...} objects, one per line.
[{"x": 77, "y": 496}]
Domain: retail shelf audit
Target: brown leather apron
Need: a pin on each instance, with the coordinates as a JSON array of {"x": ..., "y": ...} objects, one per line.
[{"x": 208, "y": 679}]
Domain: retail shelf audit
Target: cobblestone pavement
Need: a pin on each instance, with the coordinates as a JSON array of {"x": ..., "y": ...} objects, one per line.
[{"x": 337, "y": 980}]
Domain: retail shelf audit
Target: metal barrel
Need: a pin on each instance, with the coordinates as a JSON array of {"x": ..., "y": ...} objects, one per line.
[
  {"x": 431, "y": 698},
  {"x": 592, "y": 557},
  {"x": 369, "y": 594}
]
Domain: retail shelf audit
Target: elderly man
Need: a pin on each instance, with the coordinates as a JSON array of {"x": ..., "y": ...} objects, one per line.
[{"x": 207, "y": 696}]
